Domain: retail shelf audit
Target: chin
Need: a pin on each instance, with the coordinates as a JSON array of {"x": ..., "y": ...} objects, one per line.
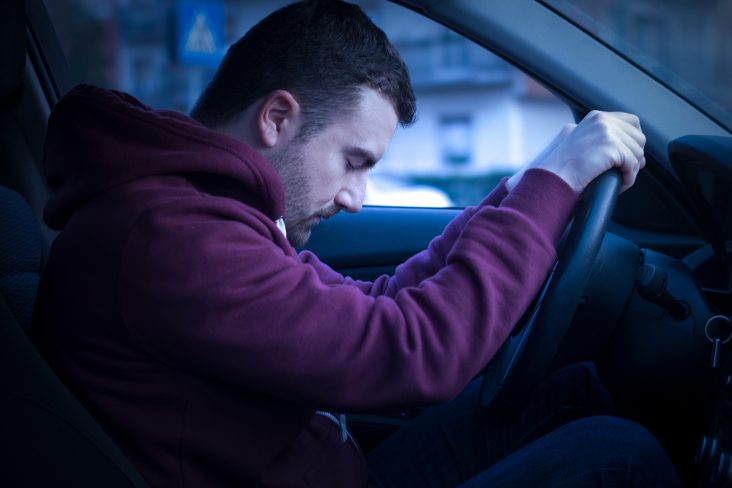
[{"x": 299, "y": 237}]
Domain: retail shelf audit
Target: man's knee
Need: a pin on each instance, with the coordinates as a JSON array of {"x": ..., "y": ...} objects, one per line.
[{"x": 613, "y": 443}]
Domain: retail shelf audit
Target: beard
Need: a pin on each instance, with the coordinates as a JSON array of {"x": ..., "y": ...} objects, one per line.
[{"x": 300, "y": 219}]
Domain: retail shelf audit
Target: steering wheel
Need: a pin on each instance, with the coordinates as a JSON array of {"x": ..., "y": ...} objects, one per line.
[{"x": 528, "y": 353}]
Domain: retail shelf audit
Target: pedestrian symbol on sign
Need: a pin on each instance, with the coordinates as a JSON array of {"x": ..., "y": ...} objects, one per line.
[
  {"x": 198, "y": 36},
  {"x": 200, "y": 39}
]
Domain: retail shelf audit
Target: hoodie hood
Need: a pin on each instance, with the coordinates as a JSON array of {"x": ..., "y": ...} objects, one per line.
[{"x": 98, "y": 139}]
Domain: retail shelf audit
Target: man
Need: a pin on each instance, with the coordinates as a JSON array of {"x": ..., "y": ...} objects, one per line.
[{"x": 176, "y": 307}]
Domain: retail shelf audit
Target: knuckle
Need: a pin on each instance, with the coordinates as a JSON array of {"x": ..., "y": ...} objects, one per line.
[
  {"x": 596, "y": 115},
  {"x": 606, "y": 133},
  {"x": 605, "y": 121}
]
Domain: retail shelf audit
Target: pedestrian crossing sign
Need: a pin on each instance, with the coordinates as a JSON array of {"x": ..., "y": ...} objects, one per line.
[{"x": 199, "y": 32}]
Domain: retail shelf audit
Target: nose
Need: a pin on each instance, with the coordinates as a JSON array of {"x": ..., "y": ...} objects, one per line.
[{"x": 351, "y": 195}]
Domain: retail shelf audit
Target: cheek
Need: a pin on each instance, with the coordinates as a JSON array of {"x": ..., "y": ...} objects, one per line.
[{"x": 327, "y": 179}]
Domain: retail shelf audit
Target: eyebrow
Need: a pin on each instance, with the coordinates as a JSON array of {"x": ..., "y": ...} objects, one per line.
[{"x": 368, "y": 158}]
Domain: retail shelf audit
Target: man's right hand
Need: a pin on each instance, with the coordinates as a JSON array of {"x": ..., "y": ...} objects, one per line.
[{"x": 601, "y": 141}]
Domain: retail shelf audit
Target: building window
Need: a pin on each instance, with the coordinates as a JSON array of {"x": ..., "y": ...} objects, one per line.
[
  {"x": 456, "y": 139},
  {"x": 454, "y": 51}
]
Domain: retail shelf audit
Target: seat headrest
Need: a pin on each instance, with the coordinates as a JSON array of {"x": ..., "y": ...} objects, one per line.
[
  {"x": 21, "y": 255},
  {"x": 12, "y": 46}
]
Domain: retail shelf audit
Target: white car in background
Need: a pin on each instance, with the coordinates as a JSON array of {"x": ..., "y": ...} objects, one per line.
[{"x": 393, "y": 192}]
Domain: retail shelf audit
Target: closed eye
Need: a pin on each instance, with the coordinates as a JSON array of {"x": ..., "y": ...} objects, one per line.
[
  {"x": 355, "y": 167},
  {"x": 365, "y": 159}
]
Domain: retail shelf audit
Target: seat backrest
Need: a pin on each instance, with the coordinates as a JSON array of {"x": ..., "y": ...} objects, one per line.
[
  {"x": 47, "y": 438},
  {"x": 21, "y": 253}
]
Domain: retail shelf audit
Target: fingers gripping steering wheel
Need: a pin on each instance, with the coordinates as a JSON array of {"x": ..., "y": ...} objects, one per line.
[{"x": 528, "y": 353}]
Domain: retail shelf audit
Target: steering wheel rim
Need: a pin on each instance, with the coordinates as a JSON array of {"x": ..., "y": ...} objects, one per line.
[{"x": 526, "y": 356}]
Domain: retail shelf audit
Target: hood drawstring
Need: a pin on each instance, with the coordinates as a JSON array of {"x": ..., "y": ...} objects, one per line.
[
  {"x": 344, "y": 427},
  {"x": 340, "y": 422}
]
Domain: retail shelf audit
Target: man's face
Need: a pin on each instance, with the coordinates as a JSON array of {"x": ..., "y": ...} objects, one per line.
[{"x": 326, "y": 172}]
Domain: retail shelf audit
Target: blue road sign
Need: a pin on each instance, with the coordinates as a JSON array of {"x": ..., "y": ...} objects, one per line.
[{"x": 199, "y": 32}]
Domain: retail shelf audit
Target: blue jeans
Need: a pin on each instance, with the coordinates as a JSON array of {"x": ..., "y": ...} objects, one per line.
[{"x": 565, "y": 437}]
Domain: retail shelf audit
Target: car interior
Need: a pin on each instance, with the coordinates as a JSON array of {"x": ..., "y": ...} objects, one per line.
[{"x": 642, "y": 287}]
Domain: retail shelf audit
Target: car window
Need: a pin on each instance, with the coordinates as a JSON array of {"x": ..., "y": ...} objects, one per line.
[
  {"x": 685, "y": 45},
  {"x": 478, "y": 117}
]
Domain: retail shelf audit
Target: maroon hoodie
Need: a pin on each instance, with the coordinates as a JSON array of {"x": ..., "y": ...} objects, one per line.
[{"x": 176, "y": 310}]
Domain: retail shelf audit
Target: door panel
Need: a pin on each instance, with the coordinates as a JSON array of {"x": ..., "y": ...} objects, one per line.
[{"x": 377, "y": 239}]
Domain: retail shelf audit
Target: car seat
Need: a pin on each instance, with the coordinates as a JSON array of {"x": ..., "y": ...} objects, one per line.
[{"x": 47, "y": 438}]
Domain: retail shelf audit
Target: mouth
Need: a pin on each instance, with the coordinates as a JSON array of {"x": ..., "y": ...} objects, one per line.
[
  {"x": 315, "y": 218},
  {"x": 325, "y": 215}
]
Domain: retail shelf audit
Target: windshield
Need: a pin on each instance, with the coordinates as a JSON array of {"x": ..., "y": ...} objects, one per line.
[{"x": 686, "y": 45}]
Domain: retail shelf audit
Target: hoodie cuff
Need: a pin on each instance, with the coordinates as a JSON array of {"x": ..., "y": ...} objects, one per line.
[
  {"x": 496, "y": 196},
  {"x": 545, "y": 198}
]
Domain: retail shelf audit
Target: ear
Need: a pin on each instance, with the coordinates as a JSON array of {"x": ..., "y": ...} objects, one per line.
[{"x": 278, "y": 119}]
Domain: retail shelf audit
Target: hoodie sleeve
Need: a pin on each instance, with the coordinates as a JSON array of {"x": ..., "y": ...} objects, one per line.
[
  {"x": 420, "y": 266},
  {"x": 204, "y": 289}
]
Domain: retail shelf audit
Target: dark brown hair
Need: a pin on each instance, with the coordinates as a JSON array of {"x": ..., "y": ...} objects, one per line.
[{"x": 324, "y": 52}]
